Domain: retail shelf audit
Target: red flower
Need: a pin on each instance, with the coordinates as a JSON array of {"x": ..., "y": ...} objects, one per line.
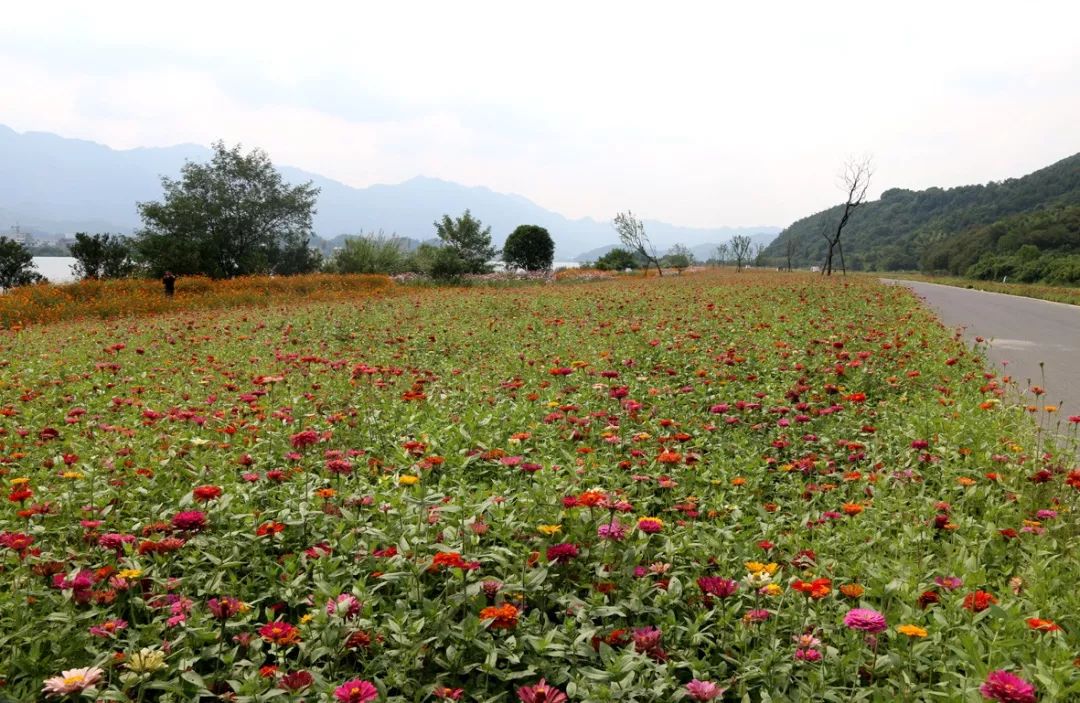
[
  {"x": 1041, "y": 625},
  {"x": 282, "y": 634},
  {"x": 296, "y": 680},
  {"x": 269, "y": 529},
  {"x": 189, "y": 520},
  {"x": 205, "y": 494},
  {"x": 979, "y": 601}
]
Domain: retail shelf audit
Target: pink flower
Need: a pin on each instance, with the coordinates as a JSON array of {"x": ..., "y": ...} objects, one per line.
[
  {"x": 949, "y": 583},
  {"x": 71, "y": 681},
  {"x": 704, "y": 690},
  {"x": 613, "y": 531},
  {"x": 109, "y": 628},
  {"x": 189, "y": 520},
  {"x": 562, "y": 553},
  {"x": 356, "y": 691},
  {"x": 650, "y": 525},
  {"x": 717, "y": 586},
  {"x": 224, "y": 608},
  {"x": 346, "y": 606},
  {"x": 1003, "y": 687},
  {"x": 540, "y": 692},
  {"x": 807, "y": 655},
  {"x": 865, "y": 620}
]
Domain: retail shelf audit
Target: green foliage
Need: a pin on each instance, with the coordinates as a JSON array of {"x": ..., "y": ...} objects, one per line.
[
  {"x": 678, "y": 258},
  {"x": 632, "y": 234},
  {"x": 895, "y": 232},
  {"x": 1034, "y": 241},
  {"x": 529, "y": 247},
  {"x": 618, "y": 260},
  {"x": 234, "y": 216},
  {"x": 16, "y": 265},
  {"x": 470, "y": 243},
  {"x": 373, "y": 253},
  {"x": 101, "y": 256}
]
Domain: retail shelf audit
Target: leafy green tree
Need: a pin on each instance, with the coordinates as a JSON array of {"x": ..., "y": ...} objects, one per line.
[
  {"x": 529, "y": 247},
  {"x": 469, "y": 242},
  {"x": 617, "y": 260},
  {"x": 16, "y": 265},
  {"x": 679, "y": 258},
  {"x": 371, "y": 254},
  {"x": 101, "y": 256},
  {"x": 632, "y": 235},
  {"x": 233, "y": 216}
]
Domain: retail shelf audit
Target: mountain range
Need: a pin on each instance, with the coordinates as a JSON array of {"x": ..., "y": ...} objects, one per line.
[{"x": 52, "y": 185}]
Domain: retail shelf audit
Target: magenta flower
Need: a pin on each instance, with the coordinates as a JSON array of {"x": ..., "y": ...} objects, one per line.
[
  {"x": 807, "y": 655},
  {"x": 704, "y": 690},
  {"x": 345, "y": 606},
  {"x": 1003, "y": 687},
  {"x": 562, "y": 553},
  {"x": 717, "y": 586},
  {"x": 189, "y": 520},
  {"x": 109, "y": 628},
  {"x": 356, "y": 691},
  {"x": 949, "y": 583},
  {"x": 865, "y": 620},
  {"x": 613, "y": 531},
  {"x": 540, "y": 692}
]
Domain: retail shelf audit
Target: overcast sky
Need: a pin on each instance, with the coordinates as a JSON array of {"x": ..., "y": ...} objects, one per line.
[{"x": 710, "y": 113}]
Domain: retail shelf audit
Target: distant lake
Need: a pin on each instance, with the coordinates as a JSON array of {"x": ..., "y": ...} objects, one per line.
[{"x": 55, "y": 268}]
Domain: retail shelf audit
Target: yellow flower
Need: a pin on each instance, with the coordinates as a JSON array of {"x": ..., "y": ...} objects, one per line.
[
  {"x": 306, "y": 618},
  {"x": 408, "y": 480},
  {"x": 772, "y": 589},
  {"x": 20, "y": 481},
  {"x": 757, "y": 567},
  {"x": 550, "y": 530},
  {"x": 911, "y": 630},
  {"x": 129, "y": 574},
  {"x": 146, "y": 661},
  {"x": 72, "y": 474}
]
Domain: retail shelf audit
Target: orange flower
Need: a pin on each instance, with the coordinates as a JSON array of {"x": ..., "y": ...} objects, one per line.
[
  {"x": 852, "y": 590},
  {"x": 503, "y": 617},
  {"x": 1041, "y": 625},
  {"x": 852, "y": 508}
]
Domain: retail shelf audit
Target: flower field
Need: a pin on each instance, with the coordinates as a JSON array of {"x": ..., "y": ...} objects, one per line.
[{"x": 753, "y": 487}]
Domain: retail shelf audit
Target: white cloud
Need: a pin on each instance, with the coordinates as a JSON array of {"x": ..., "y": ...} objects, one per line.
[{"x": 697, "y": 113}]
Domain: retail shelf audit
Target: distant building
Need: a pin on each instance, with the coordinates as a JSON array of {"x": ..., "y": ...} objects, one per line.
[{"x": 19, "y": 236}]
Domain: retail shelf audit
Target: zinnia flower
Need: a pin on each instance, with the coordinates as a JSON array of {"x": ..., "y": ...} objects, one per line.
[
  {"x": 979, "y": 601},
  {"x": 562, "y": 553},
  {"x": 717, "y": 586},
  {"x": 189, "y": 520},
  {"x": 503, "y": 617},
  {"x": 911, "y": 630},
  {"x": 704, "y": 690},
  {"x": 1003, "y": 687},
  {"x": 280, "y": 633},
  {"x": 72, "y": 681},
  {"x": 865, "y": 620},
  {"x": 345, "y": 606},
  {"x": 356, "y": 691},
  {"x": 540, "y": 692},
  {"x": 650, "y": 525}
]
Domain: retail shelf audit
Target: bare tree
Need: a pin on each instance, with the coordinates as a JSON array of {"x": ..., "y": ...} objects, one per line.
[
  {"x": 791, "y": 249},
  {"x": 856, "y": 180},
  {"x": 759, "y": 254},
  {"x": 632, "y": 235},
  {"x": 740, "y": 250}
]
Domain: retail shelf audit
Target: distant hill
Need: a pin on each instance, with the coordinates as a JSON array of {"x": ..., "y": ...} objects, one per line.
[
  {"x": 53, "y": 185},
  {"x": 899, "y": 230}
]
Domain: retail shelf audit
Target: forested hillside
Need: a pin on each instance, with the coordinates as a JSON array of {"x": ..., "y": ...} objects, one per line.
[{"x": 903, "y": 228}]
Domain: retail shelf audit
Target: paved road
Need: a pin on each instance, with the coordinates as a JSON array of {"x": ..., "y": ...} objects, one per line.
[{"x": 1022, "y": 332}]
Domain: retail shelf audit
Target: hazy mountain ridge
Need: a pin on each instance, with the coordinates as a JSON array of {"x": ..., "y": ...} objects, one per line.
[{"x": 51, "y": 184}]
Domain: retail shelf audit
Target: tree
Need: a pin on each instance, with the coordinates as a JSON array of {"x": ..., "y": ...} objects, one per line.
[
  {"x": 617, "y": 260},
  {"x": 740, "y": 250},
  {"x": 471, "y": 244},
  {"x": 372, "y": 253},
  {"x": 632, "y": 235},
  {"x": 101, "y": 256},
  {"x": 233, "y": 216},
  {"x": 17, "y": 265},
  {"x": 791, "y": 250},
  {"x": 529, "y": 247},
  {"x": 723, "y": 253},
  {"x": 679, "y": 258},
  {"x": 856, "y": 180}
]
